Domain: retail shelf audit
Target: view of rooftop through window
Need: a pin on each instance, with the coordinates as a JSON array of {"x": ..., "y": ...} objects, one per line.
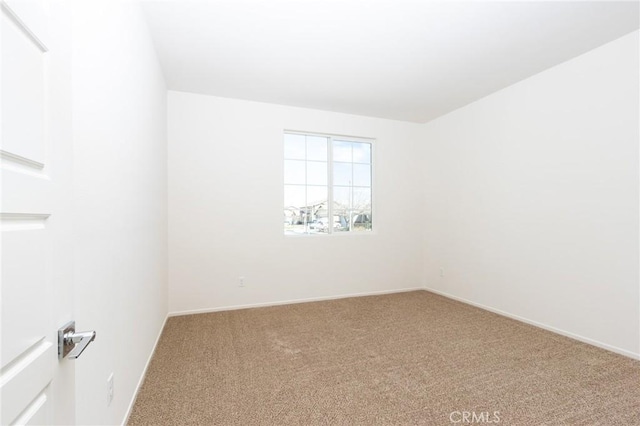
[{"x": 327, "y": 184}]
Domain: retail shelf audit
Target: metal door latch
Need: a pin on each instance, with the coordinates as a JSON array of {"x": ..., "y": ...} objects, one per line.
[{"x": 72, "y": 344}]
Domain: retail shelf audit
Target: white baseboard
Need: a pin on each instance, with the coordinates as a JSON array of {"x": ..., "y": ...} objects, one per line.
[
  {"x": 144, "y": 374},
  {"x": 289, "y": 302},
  {"x": 539, "y": 325}
]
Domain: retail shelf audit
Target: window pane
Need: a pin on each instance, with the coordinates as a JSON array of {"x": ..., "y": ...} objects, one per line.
[
  {"x": 361, "y": 199},
  {"x": 295, "y": 220},
  {"x": 340, "y": 222},
  {"x": 361, "y": 175},
  {"x": 316, "y": 148},
  {"x": 361, "y": 221},
  {"x": 342, "y": 151},
  {"x": 342, "y": 173},
  {"x": 294, "y": 147},
  {"x": 341, "y": 206},
  {"x": 316, "y": 173},
  {"x": 294, "y": 172},
  {"x": 316, "y": 196},
  {"x": 341, "y": 199},
  {"x": 361, "y": 152},
  {"x": 317, "y": 209},
  {"x": 294, "y": 196}
]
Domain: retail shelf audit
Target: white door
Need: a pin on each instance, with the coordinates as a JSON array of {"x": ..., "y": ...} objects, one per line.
[{"x": 36, "y": 166}]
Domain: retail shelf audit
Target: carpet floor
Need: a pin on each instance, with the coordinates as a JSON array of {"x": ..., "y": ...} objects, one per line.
[{"x": 399, "y": 359}]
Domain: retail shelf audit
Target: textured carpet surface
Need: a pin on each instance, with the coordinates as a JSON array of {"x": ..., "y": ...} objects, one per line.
[{"x": 399, "y": 359}]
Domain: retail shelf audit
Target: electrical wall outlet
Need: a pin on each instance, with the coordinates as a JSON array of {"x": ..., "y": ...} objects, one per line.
[
  {"x": 241, "y": 282},
  {"x": 442, "y": 272},
  {"x": 109, "y": 389}
]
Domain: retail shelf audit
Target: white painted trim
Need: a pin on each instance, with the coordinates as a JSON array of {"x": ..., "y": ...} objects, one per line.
[
  {"x": 8, "y": 156},
  {"x": 582, "y": 339},
  {"x": 22, "y": 221},
  {"x": 290, "y": 302},
  {"x": 21, "y": 25},
  {"x": 366, "y": 139},
  {"x": 23, "y": 361},
  {"x": 143, "y": 375},
  {"x": 24, "y": 216},
  {"x": 32, "y": 409}
]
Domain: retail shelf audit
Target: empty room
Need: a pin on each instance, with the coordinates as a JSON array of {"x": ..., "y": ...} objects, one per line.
[{"x": 319, "y": 212}]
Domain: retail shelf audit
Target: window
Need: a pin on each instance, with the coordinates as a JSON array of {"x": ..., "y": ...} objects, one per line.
[{"x": 327, "y": 184}]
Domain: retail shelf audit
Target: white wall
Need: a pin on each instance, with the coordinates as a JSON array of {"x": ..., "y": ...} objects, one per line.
[
  {"x": 225, "y": 208},
  {"x": 119, "y": 114},
  {"x": 531, "y": 199}
]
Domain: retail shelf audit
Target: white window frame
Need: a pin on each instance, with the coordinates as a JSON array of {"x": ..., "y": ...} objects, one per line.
[{"x": 346, "y": 138}]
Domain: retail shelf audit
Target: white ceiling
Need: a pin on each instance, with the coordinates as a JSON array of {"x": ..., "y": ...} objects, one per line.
[{"x": 397, "y": 59}]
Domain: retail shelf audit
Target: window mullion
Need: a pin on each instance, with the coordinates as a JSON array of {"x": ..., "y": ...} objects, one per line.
[
  {"x": 330, "y": 186},
  {"x": 306, "y": 189},
  {"x": 350, "y": 213}
]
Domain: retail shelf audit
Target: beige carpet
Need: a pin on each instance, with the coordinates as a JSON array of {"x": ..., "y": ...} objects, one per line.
[{"x": 401, "y": 359}]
